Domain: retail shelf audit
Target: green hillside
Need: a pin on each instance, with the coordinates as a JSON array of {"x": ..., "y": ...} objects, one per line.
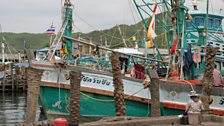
[
  {"x": 112, "y": 35},
  {"x": 16, "y": 41}
]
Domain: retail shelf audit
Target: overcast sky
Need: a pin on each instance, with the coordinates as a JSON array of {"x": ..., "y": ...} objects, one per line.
[{"x": 35, "y": 16}]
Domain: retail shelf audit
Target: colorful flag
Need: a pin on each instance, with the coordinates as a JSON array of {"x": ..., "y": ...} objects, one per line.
[
  {"x": 50, "y": 30},
  {"x": 174, "y": 46},
  {"x": 134, "y": 38},
  {"x": 151, "y": 30}
]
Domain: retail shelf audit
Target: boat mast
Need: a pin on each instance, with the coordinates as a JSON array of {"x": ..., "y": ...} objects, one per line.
[
  {"x": 68, "y": 29},
  {"x": 3, "y": 52},
  {"x": 3, "y": 46},
  {"x": 206, "y": 25}
]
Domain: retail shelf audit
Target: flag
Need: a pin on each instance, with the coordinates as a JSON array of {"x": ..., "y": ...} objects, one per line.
[
  {"x": 50, "y": 30},
  {"x": 151, "y": 30},
  {"x": 174, "y": 45},
  {"x": 134, "y": 38},
  {"x": 143, "y": 42}
]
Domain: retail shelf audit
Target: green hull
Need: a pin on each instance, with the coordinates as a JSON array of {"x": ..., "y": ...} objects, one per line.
[{"x": 95, "y": 104}]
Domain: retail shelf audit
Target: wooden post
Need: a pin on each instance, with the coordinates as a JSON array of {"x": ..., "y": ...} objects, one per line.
[
  {"x": 75, "y": 97},
  {"x": 4, "y": 78},
  {"x": 18, "y": 79},
  {"x": 208, "y": 76},
  {"x": 154, "y": 90},
  {"x": 12, "y": 75},
  {"x": 24, "y": 84},
  {"x": 33, "y": 92},
  {"x": 118, "y": 86},
  {"x": 16, "y": 76}
]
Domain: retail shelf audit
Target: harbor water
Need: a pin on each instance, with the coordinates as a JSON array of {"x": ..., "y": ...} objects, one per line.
[{"x": 13, "y": 108}]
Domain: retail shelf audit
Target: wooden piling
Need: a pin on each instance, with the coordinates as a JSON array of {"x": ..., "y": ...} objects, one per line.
[
  {"x": 16, "y": 77},
  {"x": 118, "y": 86},
  {"x": 154, "y": 90},
  {"x": 4, "y": 78},
  {"x": 208, "y": 80},
  {"x": 33, "y": 92},
  {"x": 12, "y": 76},
  {"x": 75, "y": 79},
  {"x": 24, "y": 86}
]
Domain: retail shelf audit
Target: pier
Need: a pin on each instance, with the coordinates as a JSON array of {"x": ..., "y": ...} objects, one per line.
[
  {"x": 13, "y": 85},
  {"x": 13, "y": 78}
]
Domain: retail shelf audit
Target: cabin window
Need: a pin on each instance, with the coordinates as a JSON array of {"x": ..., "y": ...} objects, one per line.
[
  {"x": 210, "y": 23},
  {"x": 199, "y": 21},
  {"x": 193, "y": 41},
  {"x": 188, "y": 25},
  {"x": 217, "y": 23}
]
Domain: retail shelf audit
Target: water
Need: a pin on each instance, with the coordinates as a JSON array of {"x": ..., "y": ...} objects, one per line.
[{"x": 13, "y": 108}]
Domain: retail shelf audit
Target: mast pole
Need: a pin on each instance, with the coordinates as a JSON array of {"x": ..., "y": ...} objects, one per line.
[
  {"x": 3, "y": 52},
  {"x": 51, "y": 37},
  {"x": 3, "y": 46},
  {"x": 206, "y": 25}
]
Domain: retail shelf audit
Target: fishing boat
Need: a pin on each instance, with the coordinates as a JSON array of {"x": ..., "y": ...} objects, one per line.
[{"x": 97, "y": 86}]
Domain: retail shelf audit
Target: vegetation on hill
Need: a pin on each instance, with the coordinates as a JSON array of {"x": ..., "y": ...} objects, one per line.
[{"x": 112, "y": 36}]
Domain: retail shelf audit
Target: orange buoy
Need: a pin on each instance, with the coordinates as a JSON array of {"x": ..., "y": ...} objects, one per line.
[{"x": 60, "y": 122}]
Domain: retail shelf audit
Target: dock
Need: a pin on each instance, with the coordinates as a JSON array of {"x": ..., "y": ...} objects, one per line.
[
  {"x": 207, "y": 120},
  {"x": 13, "y": 85},
  {"x": 14, "y": 78}
]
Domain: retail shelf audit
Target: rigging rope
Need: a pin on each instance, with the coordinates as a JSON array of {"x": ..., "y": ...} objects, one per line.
[
  {"x": 112, "y": 37},
  {"x": 93, "y": 27},
  {"x": 102, "y": 100}
]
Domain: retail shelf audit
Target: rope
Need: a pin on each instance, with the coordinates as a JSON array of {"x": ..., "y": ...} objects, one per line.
[
  {"x": 93, "y": 27},
  {"x": 58, "y": 81},
  {"x": 101, "y": 100},
  {"x": 10, "y": 52},
  {"x": 132, "y": 13},
  {"x": 192, "y": 88},
  {"x": 112, "y": 37},
  {"x": 58, "y": 37}
]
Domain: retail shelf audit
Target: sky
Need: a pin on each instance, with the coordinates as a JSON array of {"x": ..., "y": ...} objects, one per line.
[{"x": 35, "y": 16}]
